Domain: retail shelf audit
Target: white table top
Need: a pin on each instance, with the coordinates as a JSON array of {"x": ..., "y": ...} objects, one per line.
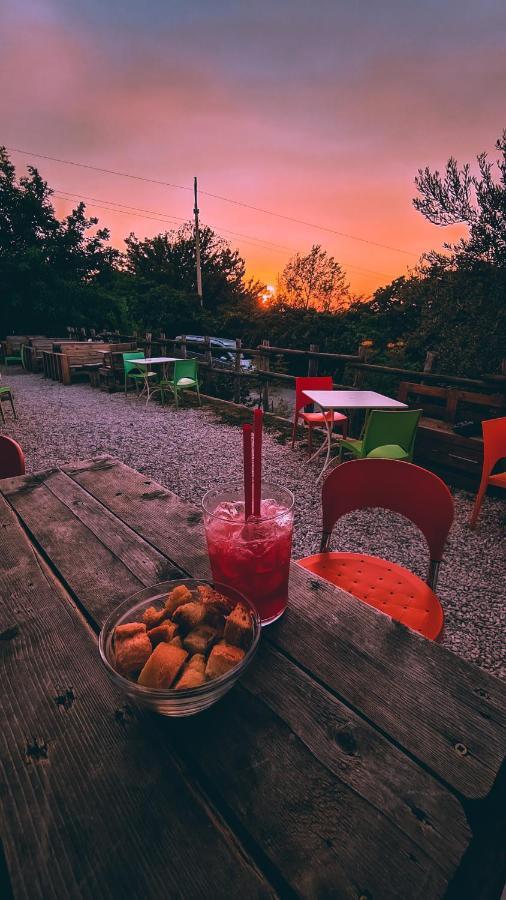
[
  {"x": 353, "y": 400},
  {"x": 150, "y": 360}
]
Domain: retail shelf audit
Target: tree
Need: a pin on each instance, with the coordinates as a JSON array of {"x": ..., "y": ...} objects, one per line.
[
  {"x": 477, "y": 201},
  {"x": 169, "y": 259},
  {"x": 52, "y": 273},
  {"x": 314, "y": 281}
]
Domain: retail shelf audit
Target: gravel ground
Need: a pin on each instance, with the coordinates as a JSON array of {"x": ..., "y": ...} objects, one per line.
[{"x": 190, "y": 450}]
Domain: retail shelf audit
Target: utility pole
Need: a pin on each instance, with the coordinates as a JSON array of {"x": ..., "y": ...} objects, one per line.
[{"x": 197, "y": 243}]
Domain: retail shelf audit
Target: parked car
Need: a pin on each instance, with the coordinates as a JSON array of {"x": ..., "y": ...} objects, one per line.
[{"x": 220, "y": 348}]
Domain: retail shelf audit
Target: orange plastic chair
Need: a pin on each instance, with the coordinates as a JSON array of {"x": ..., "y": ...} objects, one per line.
[
  {"x": 404, "y": 488},
  {"x": 12, "y": 460},
  {"x": 494, "y": 449},
  {"x": 320, "y": 383}
]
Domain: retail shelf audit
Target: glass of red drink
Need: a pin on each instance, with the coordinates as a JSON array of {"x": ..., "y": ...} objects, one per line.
[{"x": 254, "y": 556}]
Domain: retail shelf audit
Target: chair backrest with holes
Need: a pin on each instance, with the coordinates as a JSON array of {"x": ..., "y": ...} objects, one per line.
[
  {"x": 390, "y": 484},
  {"x": 316, "y": 383},
  {"x": 12, "y": 460},
  {"x": 494, "y": 442}
]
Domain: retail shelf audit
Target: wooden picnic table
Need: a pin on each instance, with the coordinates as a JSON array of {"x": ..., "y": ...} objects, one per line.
[{"x": 354, "y": 760}]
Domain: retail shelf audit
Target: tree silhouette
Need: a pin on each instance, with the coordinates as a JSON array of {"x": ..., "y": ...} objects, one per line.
[
  {"x": 479, "y": 201},
  {"x": 313, "y": 281}
]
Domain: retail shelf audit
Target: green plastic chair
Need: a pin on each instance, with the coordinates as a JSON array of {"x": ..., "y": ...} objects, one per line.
[
  {"x": 137, "y": 374},
  {"x": 14, "y": 360},
  {"x": 184, "y": 377},
  {"x": 387, "y": 434}
]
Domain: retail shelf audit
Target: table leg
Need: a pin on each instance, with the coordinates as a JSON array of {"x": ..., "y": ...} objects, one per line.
[
  {"x": 145, "y": 388},
  {"x": 328, "y": 415},
  {"x": 329, "y": 423}
]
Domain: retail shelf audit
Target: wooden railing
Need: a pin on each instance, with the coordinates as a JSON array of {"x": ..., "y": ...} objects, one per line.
[{"x": 350, "y": 370}]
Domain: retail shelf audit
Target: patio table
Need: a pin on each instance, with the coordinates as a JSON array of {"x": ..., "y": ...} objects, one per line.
[
  {"x": 332, "y": 401},
  {"x": 355, "y": 759},
  {"x": 149, "y": 361}
]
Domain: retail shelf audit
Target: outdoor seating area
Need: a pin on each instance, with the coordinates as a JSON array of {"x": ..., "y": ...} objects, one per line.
[
  {"x": 328, "y": 672},
  {"x": 381, "y": 585},
  {"x": 68, "y": 359},
  {"x": 381, "y": 433}
]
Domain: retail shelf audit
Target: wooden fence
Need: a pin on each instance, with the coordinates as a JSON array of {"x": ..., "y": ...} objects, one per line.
[{"x": 355, "y": 369}]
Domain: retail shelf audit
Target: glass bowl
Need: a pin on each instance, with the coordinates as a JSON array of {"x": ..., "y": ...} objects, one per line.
[{"x": 167, "y": 701}]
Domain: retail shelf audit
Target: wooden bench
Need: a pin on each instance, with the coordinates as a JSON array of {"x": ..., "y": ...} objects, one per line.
[
  {"x": 69, "y": 358},
  {"x": 32, "y": 352},
  {"x": 437, "y": 444}
]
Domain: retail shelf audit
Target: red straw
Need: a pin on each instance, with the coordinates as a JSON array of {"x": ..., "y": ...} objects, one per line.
[
  {"x": 257, "y": 461},
  {"x": 248, "y": 474}
]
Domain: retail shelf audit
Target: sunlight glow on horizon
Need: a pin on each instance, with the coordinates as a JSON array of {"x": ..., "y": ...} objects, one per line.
[{"x": 321, "y": 114}]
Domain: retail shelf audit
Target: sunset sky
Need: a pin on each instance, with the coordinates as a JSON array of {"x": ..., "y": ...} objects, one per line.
[{"x": 321, "y": 111}]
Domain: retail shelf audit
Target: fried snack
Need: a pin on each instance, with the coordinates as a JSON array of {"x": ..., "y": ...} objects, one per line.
[
  {"x": 238, "y": 627},
  {"x": 123, "y": 632},
  {"x": 213, "y": 601},
  {"x": 176, "y": 641},
  {"x": 152, "y": 616},
  {"x": 163, "y": 666},
  {"x": 223, "y": 657},
  {"x": 201, "y": 639},
  {"x": 132, "y": 648},
  {"x": 193, "y": 673},
  {"x": 164, "y": 632},
  {"x": 176, "y": 597},
  {"x": 189, "y": 615}
]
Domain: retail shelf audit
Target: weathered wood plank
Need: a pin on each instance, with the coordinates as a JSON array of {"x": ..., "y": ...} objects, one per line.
[
  {"x": 325, "y": 840},
  {"x": 410, "y": 810},
  {"x": 77, "y": 533},
  {"x": 93, "y": 804},
  {"x": 446, "y": 712},
  {"x": 143, "y": 560},
  {"x": 362, "y": 757}
]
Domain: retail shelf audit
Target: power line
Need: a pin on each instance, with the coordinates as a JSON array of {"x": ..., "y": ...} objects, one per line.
[
  {"x": 182, "y": 187},
  {"x": 153, "y": 212},
  {"x": 163, "y": 218},
  {"x": 157, "y": 216}
]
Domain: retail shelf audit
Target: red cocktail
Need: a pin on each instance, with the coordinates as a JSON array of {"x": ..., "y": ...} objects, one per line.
[{"x": 254, "y": 556}]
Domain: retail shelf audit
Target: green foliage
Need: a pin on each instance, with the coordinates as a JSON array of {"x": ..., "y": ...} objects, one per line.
[
  {"x": 475, "y": 200},
  {"x": 58, "y": 273},
  {"x": 169, "y": 259},
  {"x": 52, "y": 273}
]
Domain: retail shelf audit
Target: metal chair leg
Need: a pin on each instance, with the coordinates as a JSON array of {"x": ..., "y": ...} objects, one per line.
[{"x": 12, "y": 404}]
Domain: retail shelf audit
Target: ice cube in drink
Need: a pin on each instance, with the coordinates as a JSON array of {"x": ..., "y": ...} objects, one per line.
[{"x": 253, "y": 557}]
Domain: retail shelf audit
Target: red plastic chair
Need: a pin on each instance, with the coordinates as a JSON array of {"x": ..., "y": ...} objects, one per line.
[
  {"x": 404, "y": 488},
  {"x": 494, "y": 449},
  {"x": 12, "y": 460},
  {"x": 321, "y": 383}
]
